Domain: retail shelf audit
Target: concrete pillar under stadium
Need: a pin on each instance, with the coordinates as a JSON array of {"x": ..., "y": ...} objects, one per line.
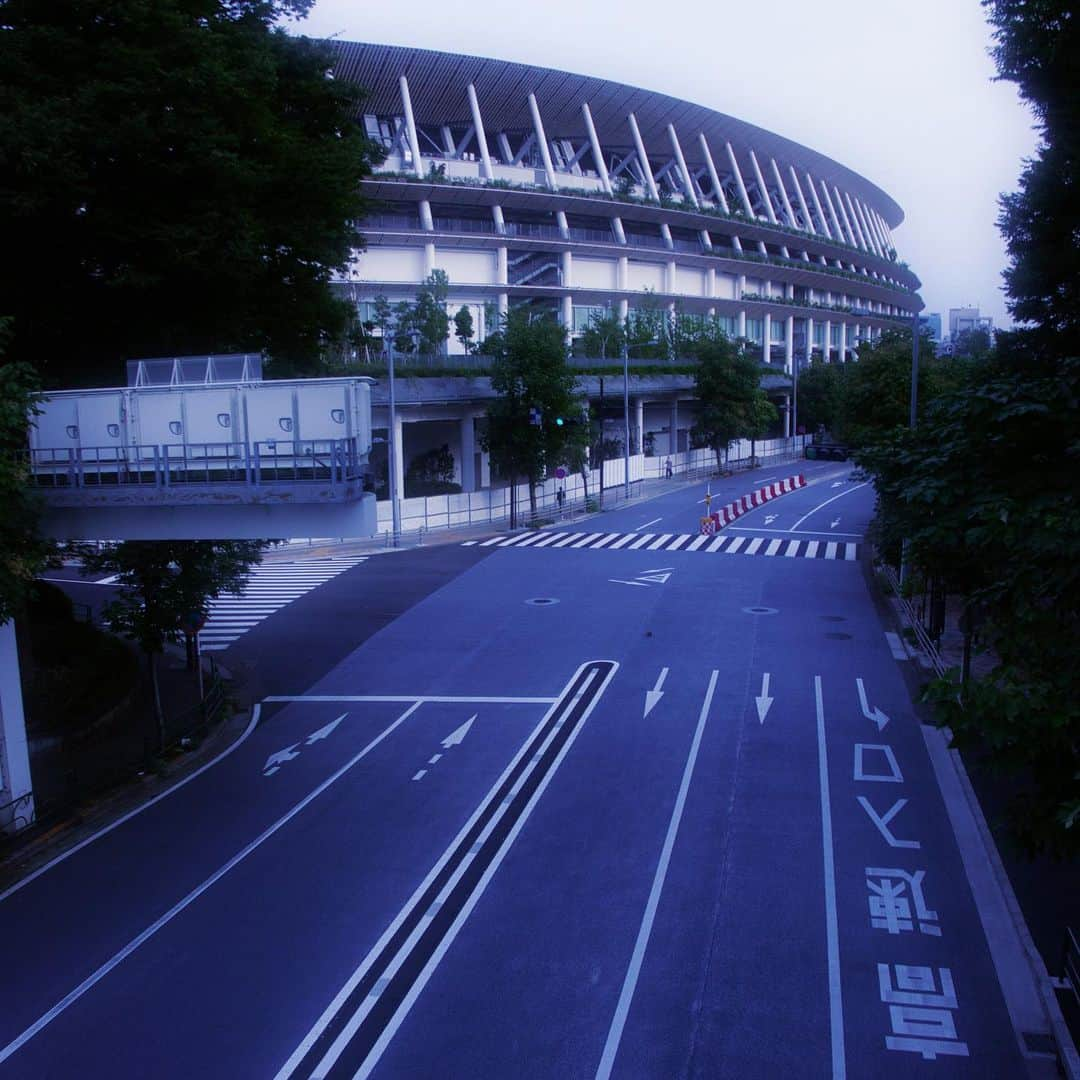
[{"x": 16, "y": 790}]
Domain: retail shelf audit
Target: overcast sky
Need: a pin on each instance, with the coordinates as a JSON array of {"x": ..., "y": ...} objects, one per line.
[{"x": 898, "y": 90}]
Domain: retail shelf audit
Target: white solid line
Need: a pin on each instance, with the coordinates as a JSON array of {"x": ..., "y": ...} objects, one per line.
[
  {"x": 751, "y": 548},
  {"x": 648, "y": 523},
  {"x": 342, "y": 995},
  {"x": 79, "y": 581},
  {"x": 792, "y": 550},
  {"x": 622, "y": 1009},
  {"x": 468, "y": 543},
  {"x": 420, "y": 698},
  {"x": 434, "y": 758},
  {"x": 420, "y": 775},
  {"x": 795, "y": 527},
  {"x": 92, "y": 980},
  {"x": 252, "y": 724},
  {"x": 624, "y": 539},
  {"x": 644, "y": 540},
  {"x": 832, "y": 934}
]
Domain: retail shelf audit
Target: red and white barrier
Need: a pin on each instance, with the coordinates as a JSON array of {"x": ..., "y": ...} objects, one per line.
[{"x": 727, "y": 514}]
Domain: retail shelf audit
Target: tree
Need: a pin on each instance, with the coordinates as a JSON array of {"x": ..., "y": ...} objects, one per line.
[
  {"x": 821, "y": 395},
  {"x": 974, "y": 344},
  {"x": 728, "y": 387},
  {"x": 604, "y": 336},
  {"x": 23, "y": 551},
  {"x": 463, "y": 328},
  {"x": 429, "y": 315},
  {"x": 530, "y": 373},
  {"x": 761, "y": 414},
  {"x": 174, "y": 177},
  {"x": 163, "y": 581}
]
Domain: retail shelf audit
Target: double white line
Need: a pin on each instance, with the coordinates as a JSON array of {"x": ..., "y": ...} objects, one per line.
[{"x": 357, "y": 1026}]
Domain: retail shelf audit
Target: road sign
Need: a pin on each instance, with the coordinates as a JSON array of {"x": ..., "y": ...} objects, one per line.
[{"x": 560, "y": 473}]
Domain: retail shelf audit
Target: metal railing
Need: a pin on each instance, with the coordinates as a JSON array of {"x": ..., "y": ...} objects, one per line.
[{"x": 269, "y": 461}]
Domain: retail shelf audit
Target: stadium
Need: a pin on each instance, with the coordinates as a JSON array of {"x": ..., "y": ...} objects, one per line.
[{"x": 584, "y": 196}]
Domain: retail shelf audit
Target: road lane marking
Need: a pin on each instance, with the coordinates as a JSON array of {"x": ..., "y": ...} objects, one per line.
[
  {"x": 895, "y": 647},
  {"x": 752, "y": 547},
  {"x": 406, "y": 942},
  {"x": 648, "y": 523},
  {"x": 420, "y": 699},
  {"x": 623, "y": 540},
  {"x": 795, "y": 527},
  {"x": 253, "y": 723},
  {"x": 832, "y": 934},
  {"x": 549, "y": 538},
  {"x": 92, "y": 980},
  {"x": 626, "y": 997},
  {"x": 805, "y": 532},
  {"x": 420, "y": 775},
  {"x": 644, "y": 540}
]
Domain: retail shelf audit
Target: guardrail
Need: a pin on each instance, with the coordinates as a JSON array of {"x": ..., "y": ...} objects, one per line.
[{"x": 266, "y": 462}]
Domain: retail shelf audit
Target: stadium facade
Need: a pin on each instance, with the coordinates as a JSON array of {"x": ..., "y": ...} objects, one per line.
[{"x": 582, "y": 195}]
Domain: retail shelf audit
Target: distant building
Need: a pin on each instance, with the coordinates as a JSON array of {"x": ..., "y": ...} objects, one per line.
[
  {"x": 931, "y": 324},
  {"x": 968, "y": 318}
]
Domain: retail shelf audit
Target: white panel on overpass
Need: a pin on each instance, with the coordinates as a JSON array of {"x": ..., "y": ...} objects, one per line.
[
  {"x": 469, "y": 267},
  {"x": 690, "y": 282},
  {"x": 391, "y": 264},
  {"x": 595, "y": 273},
  {"x": 642, "y": 275}
]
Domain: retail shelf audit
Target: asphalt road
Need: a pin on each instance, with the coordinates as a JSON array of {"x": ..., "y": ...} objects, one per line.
[{"x": 539, "y": 812}]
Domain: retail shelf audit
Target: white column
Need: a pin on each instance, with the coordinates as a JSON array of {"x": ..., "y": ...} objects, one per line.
[
  {"x": 762, "y": 188},
  {"x": 643, "y": 158},
  {"x": 766, "y": 340},
  {"x": 742, "y": 322},
  {"x": 783, "y": 195},
  {"x": 789, "y": 344},
  {"x": 826, "y": 352},
  {"x": 786, "y": 409},
  {"x": 410, "y": 126},
  {"x": 624, "y": 310},
  {"x": 639, "y": 423},
  {"x": 429, "y": 259},
  {"x": 874, "y": 226},
  {"x": 740, "y": 286},
  {"x": 622, "y": 273},
  {"x": 15, "y": 782},
  {"x": 809, "y": 340},
  {"x": 468, "y": 452},
  {"x": 501, "y": 261},
  {"x": 817, "y": 206},
  {"x": 843, "y": 343},
  {"x": 597, "y": 153},
  {"x": 669, "y": 276},
  {"x": 497, "y": 217},
  {"x": 564, "y": 225},
  {"x": 743, "y": 196},
  {"x": 710, "y": 282},
  {"x": 854, "y": 218},
  {"x": 541, "y": 138},
  {"x": 838, "y": 232},
  {"x": 503, "y": 303},
  {"x": 864, "y": 221},
  {"x": 852, "y": 238},
  {"x": 802, "y": 201},
  {"x": 617, "y": 229},
  {"x": 566, "y": 312},
  {"x": 481, "y": 137},
  {"x": 427, "y": 223},
  {"x": 713, "y": 175},
  {"x": 567, "y": 267},
  {"x": 398, "y": 435},
  {"x": 688, "y": 183},
  {"x": 665, "y": 234},
  {"x": 674, "y": 437}
]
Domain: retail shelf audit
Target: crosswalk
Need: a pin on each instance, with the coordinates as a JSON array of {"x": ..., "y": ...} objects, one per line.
[
  {"x": 724, "y": 543},
  {"x": 269, "y": 588}
]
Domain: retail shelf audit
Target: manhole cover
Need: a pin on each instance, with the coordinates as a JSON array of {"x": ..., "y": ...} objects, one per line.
[
  {"x": 542, "y": 601},
  {"x": 760, "y": 610},
  {"x": 839, "y": 637}
]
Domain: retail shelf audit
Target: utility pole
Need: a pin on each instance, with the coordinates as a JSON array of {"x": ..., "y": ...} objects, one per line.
[{"x": 912, "y": 421}]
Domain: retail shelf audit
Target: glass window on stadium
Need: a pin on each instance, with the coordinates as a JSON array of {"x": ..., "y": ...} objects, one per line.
[
  {"x": 834, "y": 336},
  {"x": 584, "y": 314},
  {"x": 755, "y": 330},
  {"x": 685, "y": 239},
  {"x": 776, "y": 330},
  {"x": 721, "y": 241},
  {"x": 643, "y": 234},
  {"x": 394, "y": 215},
  {"x": 590, "y": 227},
  {"x": 728, "y": 324},
  {"x": 453, "y": 217},
  {"x": 538, "y": 224},
  {"x": 819, "y": 334}
]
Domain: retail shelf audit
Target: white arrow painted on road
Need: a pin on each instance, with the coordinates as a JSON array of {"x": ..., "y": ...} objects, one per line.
[
  {"x": 763, "y": 702},
  {"x": 275, "y": 761},
  {"x": 835, "y": 523},
  {"x": 770, "y": 518},
  {"x": 323, "y": 732},
  {"x": 458, "y": 736},
  {"x": 655, "y": 694},
  {"x": 837, "y": 483},
  {"x": 877, "y": 715}
]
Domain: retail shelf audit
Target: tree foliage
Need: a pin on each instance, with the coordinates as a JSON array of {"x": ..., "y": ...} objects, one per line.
[
  {"x": 163, "y": 581},
  {"x": 22, "y": 550},
  {"x": 731, "y": 402},
  {"x": 529, "y": 371},
  {"x": 175, "y": 177}
]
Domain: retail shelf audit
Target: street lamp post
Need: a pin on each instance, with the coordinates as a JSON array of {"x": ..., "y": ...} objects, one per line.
[
  {"x": 395, "y": 509},
  {"x": 626, "y": 417}
]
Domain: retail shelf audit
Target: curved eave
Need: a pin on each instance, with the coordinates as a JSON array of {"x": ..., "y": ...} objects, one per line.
[{"x": 437, "y": 87}]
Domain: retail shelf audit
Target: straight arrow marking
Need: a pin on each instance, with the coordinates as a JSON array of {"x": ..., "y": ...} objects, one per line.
[
  {"x": 459, "y": 734},
  {"x": 655, "y": 694},
  {"x": 275, "y": 761},
  {"x": 835, "y": 523},
  {"x": 877, "y": 715},
  {"x": 763, "y": 701},
  {"x": 323, "y": 732}
]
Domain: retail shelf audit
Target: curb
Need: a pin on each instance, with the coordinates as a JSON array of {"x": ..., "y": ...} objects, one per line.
[{"x": 1034, "y": 1008}]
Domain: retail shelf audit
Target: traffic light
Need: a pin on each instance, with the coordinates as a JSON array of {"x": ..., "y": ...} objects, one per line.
[{"x": 559, "y": 422}]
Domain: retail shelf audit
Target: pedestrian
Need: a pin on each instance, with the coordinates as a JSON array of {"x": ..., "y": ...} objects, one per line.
[
  {"x": 560, "y": 497},
  {"x": 668, "y": 469}
]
